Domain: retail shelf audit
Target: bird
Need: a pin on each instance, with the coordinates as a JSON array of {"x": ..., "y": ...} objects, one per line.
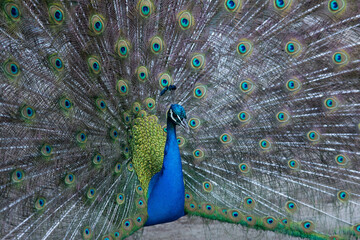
[{"x": 119, "y": 115}]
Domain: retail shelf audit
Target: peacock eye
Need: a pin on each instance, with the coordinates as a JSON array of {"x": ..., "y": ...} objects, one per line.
[
  {"x": 120, "y": 198},
  {"x": 198, "y": 153},
  {"x": 150, "y": 104},
  {"x": 200, "y": 91},
  {"x": 207, "y": 186},
  {"x": 122, "y": 87},
  {"x": 198, "y": 61},
  {"x": 265, "y": 144},
  {"x": 244, "y": 168},
  {"x": 244, "y": 116},
  {"x": 127, "y": 224},
  {"x": 226, "y": 138},
  {"x": 291, "y": 206},
  {"x": 282, "y": 116},
  {"x": 81, "y": 137},
  {"x": 142, "y": 74},
  {"x": 232, "y": 5},
  {"x": 336, "y": 6},
  {"x": 156, "y": 44},
  {"x": 244, "y": 48},
  {"x": 293, "y": 85},
  {"x": 165, "y": 80},
  {"x": 17, "y": 176},
  {"x": 194, "y": 123},
  {"x": 270, "y": 222},
  {"x": 69, "y": 178},
  {"x": 40, "y": 203},
  {"x": 293, "y": 48},
  {"x": 313, "y": 136},
  {"x": 56, "y": 14},
  {"x": 46, "y": 150},
  {"x": 249, "y": 203},
  {"x": 27, "y": 112},
  {"x": 12, "y": 69},
  {"x": 331, "y": 103},
  {"x": 307, "y": 226},
  {"x": 12, "y": 11},
  {"x": 65, "y": 103},
  {"x": 130, "y": 166},
  {"x": 246, "y": 86},
  {"x": 343, "y": 196},
  {"x": 293, "y": 164},
  {"x": 145, "y": 8},
  {"x": 185, "y": 20},
  {"x": 97, "y": 24},
  {"x": 181, "y": 141},
  {"x": 122, "y": 48},
  {"x": 341, "y": 58},
  {"x": 282, "y": 4}
]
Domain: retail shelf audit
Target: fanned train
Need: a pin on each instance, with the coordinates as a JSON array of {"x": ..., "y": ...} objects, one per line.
[{"x": 118, "y": 115}]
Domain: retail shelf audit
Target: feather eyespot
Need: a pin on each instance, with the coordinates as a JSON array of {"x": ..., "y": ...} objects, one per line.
[
  {"x": 244, "y": 116},
  {"x": 198, "y": 61},
  {"x": 28, "y": 112},
  {"x": 165, "y": 80},
  {"x": 120, "y": 198},
  {"x": 341, "y": 159},
  {"x": 235, "y": 215},
  {"x": 207, "y": 208},
  {"x": 265, "y": 144},
  {"x": 145, "y": 8},
  {"x": 69, "y": 179},
  {"x": 122, "y": 48},
  {"x": 12, "y": 69},
  {"x": 139, "y": 190},
  {"x": 100, "y": 104},
  {"x": 356, "y": 229},
  {"x": 97, "y": 24},
  {"x": 343, "y": 196},
  {"x": 150, "y": 104},
  {"x": 244, "y": 48},
  {"x": 291, "y": 206},
  {"x": 140, "y": 203},
  {"x": 270, "y": 222},
  {"x": 282, "y": 4},
  {"x": 336, "y": 6},
  {"x": 200, "y": 91},
  {"x": 56, "y": 14},
  {"x": 293, "y": 85},
  {"x": 247, "y": 86},
  {"x": 249, "y": 203},
  {"x": 40, "y": 203},
  {"x": 97, "y": 159},
  {"x": 142, "y": 74},
  {"x": 250, "y": 220},
  {"x": 81, "y": 137},
  {"x": 226, "y": 138},
  {"x": 130, "y": 166},
  {"x": 46, "y": 150},
  {"x": 127, "y": 224},
  {"x": 91, "y": 193},
  {"x": 188, "y": 196},
  {"x": 140, "y": 220},
  {"x": 156, "y": 45},
  {"x": 117, "y": 168},
  {"x": 122, "y": 87},
  {"x": 294, "y": 164},
  {"x": 284, "y": 221},
  {"x": 282, "y": 117},
  {"x": 293, "y": 48},
  {"x": 198, "y": 154},
  {"x": 56, "y": 63},
  {"x": 87, "y": 233},
  {"x": 65, "y": 104},
  {"x": 194, "y": 123},
  {"x": 341, "y": 58},
  {"x": 331, "y": 103},
  {"x": 232, "y": 5},
  {"x": 244, "y": 168},
  {"x": 180, "y": 141},
  {"x": 17, "y": 176},
  {"x": 313, "y": 136},
  {"x": 12, "y": 11},
  {"x": 307, "y": 226},
  {"x": 207, "y": 186},
  {"x": 185, "y": 20},
  {"x": 94, "y": 65}
]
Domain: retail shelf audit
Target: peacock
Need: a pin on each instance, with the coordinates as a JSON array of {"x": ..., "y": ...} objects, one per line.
[{"x": 119, "y": 115}]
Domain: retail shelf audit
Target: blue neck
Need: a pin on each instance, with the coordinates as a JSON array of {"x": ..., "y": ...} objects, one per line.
[{"x": 166, "y": 189}]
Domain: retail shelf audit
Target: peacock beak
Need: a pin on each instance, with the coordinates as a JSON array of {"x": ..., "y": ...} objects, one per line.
[{"x": 184, "y": 124}]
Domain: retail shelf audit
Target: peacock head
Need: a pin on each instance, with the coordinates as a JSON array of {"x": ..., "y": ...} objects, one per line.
[{"x": 178, "y": 115}]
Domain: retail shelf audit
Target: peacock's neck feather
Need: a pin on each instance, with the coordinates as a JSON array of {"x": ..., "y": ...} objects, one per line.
[{"x": 166, "y": 189}]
